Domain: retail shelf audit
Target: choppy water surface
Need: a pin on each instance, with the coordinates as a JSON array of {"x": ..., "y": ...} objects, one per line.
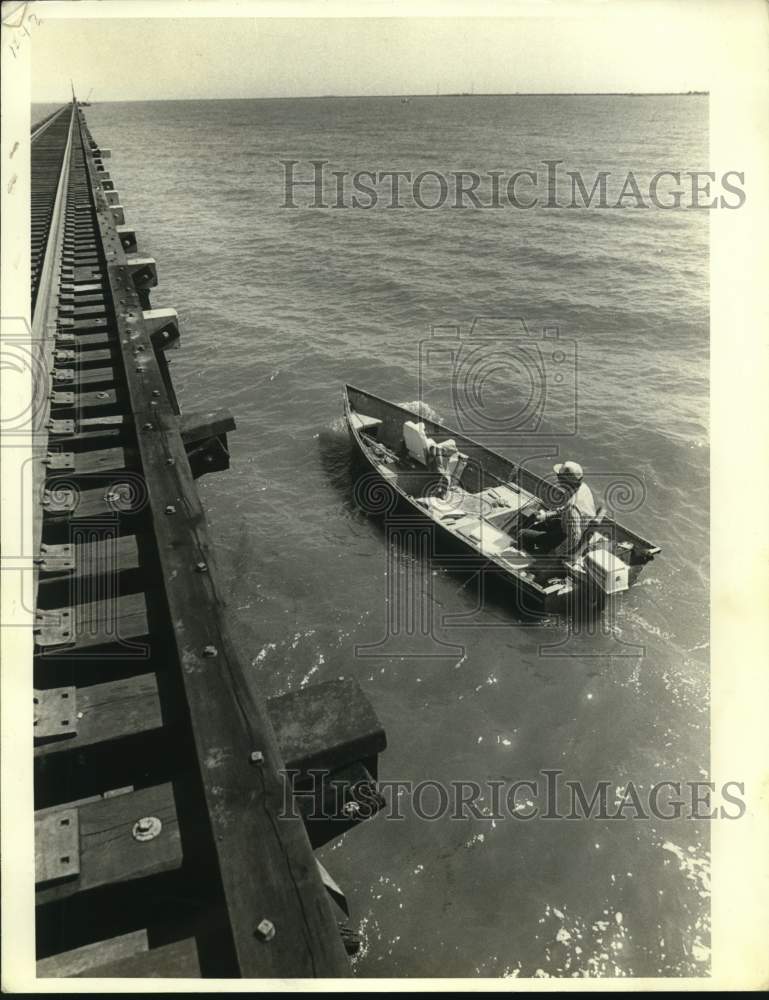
[{"x": 279, "y": 308}]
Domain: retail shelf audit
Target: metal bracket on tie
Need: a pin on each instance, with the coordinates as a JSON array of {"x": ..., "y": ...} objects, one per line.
[
  {"x": 64, "y": 374},
  {"x": 65, "y": 322},
  {"x": 64, "y": 355},
  {"x": 62, "y": 428},
  {"x": 57, "y": 845},
  {"x": 62, "y": 460},
  {"x": 112, "y": 198},
  {"x": 53, "y": 628},
  {"x": 59, "y": 502},
  {"x": 143, "y": 270},
  {"x": 62, "y": 399},
  {"x": 118, "y": 215},
  {"x": 65, "y": 338},
  {"x": 56, "y": 558},
  {"x": 55, "y": 712}
]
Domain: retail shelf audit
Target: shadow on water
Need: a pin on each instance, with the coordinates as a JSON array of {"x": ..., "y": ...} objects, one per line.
[{"x": 337, "y": 461}]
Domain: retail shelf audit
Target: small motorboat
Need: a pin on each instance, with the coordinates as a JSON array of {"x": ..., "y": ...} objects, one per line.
[{"x": 479, "y": 501}]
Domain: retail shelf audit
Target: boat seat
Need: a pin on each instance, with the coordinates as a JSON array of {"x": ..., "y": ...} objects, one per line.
[
  {"x": 446, "y": 508},
  {"x": 444, "y": 456},
  {"x": 490, "y": 540},
  {"x": 422, "y": 447},
  {"x": 363, "y": 423},
  {"x": 418, "y": 444}
]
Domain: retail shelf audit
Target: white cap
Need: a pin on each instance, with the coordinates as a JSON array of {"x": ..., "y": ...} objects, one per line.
[{"x": 572, "y": 470}]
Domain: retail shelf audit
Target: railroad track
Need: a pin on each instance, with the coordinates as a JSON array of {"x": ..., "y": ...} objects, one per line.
[
  {"x": 50, "y": 142},
  {"x": 161, "y": 844}
]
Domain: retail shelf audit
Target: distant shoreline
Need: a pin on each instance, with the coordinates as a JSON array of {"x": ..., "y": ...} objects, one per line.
[
  {"x": 379, "y": 97},
  {"x": 586, "y": 93}
]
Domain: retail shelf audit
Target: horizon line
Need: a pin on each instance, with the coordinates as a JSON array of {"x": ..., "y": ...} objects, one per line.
[{"x": 364, "y": 97}]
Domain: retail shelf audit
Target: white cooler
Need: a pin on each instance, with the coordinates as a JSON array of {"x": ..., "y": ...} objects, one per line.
[{"x": 607, "y": 571}]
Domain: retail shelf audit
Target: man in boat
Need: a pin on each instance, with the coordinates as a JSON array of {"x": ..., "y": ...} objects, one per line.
[{"x": 560, "y": 531}]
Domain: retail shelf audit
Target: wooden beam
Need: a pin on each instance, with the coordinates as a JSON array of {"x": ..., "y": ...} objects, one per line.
[
  {"x": 326, "y": 726},
  {"x": 95, "y": 623},
  {"x": 79, "y": 961},
  {"x": 121, "y": 497},
  {"x": 109, "y": 852},
  {"x": 88, "y": 462},
  {"x": 197, "y": 426},
  {"x": 109, "y": 712},
  {"x": 73, "y": 561},
  {"x": 171, "y": 961}
]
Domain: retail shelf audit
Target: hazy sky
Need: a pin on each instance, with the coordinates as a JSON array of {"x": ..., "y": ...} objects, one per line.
[{"x": 579, "y": 45}]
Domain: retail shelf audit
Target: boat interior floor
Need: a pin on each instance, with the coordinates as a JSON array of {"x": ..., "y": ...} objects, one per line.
[{"x": 488, "y": 519}]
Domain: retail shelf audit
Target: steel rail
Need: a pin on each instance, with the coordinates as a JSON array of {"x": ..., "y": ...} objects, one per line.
[{"x": 44, "y": 321}]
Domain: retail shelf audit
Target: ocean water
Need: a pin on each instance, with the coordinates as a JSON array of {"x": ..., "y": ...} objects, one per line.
[{"x": 279, "y": 308}]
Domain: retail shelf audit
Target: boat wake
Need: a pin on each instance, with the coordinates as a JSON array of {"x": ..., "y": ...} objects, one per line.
[{"x": 422, "y": 409}]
